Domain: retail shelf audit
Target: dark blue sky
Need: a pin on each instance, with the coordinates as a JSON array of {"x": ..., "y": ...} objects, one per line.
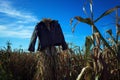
[{"x": 19, "y": 17}]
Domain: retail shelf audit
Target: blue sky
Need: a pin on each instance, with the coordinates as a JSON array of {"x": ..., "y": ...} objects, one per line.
[{"x": 19, "y": 17}]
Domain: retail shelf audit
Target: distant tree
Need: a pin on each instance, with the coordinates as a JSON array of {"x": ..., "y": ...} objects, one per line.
[{"x": 9, "y": 49}]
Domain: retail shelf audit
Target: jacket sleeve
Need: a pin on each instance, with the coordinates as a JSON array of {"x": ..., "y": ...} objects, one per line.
[
  {"x": 64, "y": 44},
  {"x": 33, "y": 40}
]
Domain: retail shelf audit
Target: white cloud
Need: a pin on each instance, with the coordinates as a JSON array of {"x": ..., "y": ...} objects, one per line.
[
  {"x": 19, "y": 32},
  {"x": 22, "y": 25},
  {"x": 7, "y": 9}
]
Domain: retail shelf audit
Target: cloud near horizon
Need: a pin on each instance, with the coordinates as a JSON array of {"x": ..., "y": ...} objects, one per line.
[{"x": 15, "y": 23}]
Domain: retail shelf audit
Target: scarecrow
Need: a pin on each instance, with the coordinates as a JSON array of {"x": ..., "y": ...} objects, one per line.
[{"x": 49, "y": 34}]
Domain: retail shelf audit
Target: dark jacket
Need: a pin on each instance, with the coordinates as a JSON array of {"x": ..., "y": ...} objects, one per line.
[{"x": 46, "y": 37}]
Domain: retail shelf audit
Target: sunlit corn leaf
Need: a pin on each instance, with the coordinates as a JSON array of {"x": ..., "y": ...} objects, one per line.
[
  {"x": 85, "y": 69},
  {"x": 84, "y": 8},
  {"x": 110, "y": 33},
  {"x": 91, "y": 9},
  {"x": 91, "y": 5},
  {"x": 84, "y": 20},
  {"x": 107, "y": 12},
  {"x": 97, "y": 37},
  {"x": 97, "y": 77}
]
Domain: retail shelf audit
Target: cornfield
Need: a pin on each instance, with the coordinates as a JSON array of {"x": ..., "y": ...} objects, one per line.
[
  {"x": 93, "y": 63},
  {"x": 98, "y": 65}
]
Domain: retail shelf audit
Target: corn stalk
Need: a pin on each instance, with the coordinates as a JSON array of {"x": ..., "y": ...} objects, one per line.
[
  {"x": 91, "y": 23},
  {"x": 83, "y": 72}
]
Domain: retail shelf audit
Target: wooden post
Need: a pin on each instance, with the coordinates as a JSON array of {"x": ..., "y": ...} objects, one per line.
[{"x": 51, "y": 51}]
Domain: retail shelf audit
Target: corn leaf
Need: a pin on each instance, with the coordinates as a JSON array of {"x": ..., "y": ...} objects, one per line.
[
  {"x": 88, "y": 44},
  {"x": 110, "y": 33},
  {"x": 89, "y": 22},
  {"x": 84, "y": 20},
  {"x": 106, "y": 13}
]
